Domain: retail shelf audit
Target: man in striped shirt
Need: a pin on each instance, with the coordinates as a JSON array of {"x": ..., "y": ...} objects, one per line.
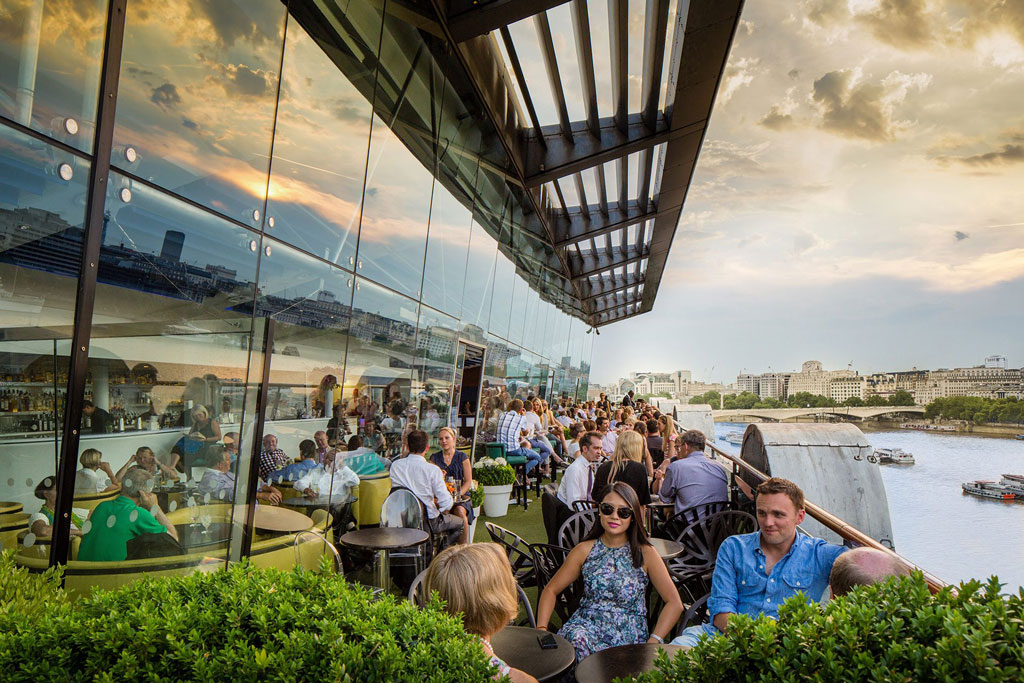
[{"x": 512, "y": 426}]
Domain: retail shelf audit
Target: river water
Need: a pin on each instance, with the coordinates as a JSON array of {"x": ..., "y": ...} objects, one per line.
[{"x": 953, "y": 535}]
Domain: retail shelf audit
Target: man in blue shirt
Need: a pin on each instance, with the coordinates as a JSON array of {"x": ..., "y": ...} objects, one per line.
[
  {"x": 757, "y": 572},
  {"x": 691, "y": 479}
]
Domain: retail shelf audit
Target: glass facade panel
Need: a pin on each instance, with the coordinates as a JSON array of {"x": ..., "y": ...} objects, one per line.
[
  {"x": 320, "y": 142},
  {"x": 50, "y": 56},
  {"x": 476, "y": 299},
  {"x": 378, "y": 369},
  {"x": 196, "y": 100},
  {"x": 501, "y": 301},
  {"x": 444, "y": 274},
  {"x": 167, "y": 376},
  {"x": 41, "y": 228},
  {"x": 437, "y": 342}
]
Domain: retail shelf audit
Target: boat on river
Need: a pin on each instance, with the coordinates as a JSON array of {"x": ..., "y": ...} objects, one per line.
[
  {"x": 988, "y": 489},
  {"x": 1014, "y": 482},
  {"x": 894, "y": 456},
  {"x": 735, "y": 438},
  {"x": 1020, "y": 437}
]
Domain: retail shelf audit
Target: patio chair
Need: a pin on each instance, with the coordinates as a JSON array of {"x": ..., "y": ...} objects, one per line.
[
  {"x": 576, "y": 528},
  {"x": 518, "y": 552},
  {"x": 418, "y": 596},
  {"x": 402, "y": 509},
  {"x": 547, "y": 559},
  {"x": 674, "y": 526},
  {"x": 315, "y": 537},
  {"x": 693, "y": 568},
  {"x": 554, "y": 512},
  {"x": 581, "y": 505}
]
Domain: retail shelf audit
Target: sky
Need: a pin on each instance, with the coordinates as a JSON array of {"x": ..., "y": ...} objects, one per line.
[{"x": 859, "y": 198}]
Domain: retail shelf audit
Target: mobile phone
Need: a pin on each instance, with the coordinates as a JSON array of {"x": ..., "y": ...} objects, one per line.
[{"x": 547, "y": 642}]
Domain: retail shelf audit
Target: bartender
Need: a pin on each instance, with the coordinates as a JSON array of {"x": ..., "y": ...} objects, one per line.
[{"x": 99, "y": 419}]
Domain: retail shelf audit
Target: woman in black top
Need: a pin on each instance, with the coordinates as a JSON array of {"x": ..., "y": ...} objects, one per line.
[{"x": 627, "y": 465}]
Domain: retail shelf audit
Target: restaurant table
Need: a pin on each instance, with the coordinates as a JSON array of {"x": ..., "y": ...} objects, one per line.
[
  {"x": 194, "y": 536},
  {"x": 666, "y": 548},
  {"x": 8, "y": 507},
  {"x": 604, "y": 666},
  {"x": 280, "y": 520},
  {"x": 165, "y": 494},
  {"x": 518, "y": 647},
  {"x": 655, "y": 507},
  {"x": 383, "y": 540}
]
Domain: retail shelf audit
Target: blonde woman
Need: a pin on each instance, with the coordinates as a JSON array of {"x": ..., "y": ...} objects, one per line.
[
  {"x": 455, "y": 465},
  {"x": 476, "y": 583},
  {"x": 628, "y": 465},
  {"x": 668, "y": 435},
  {"x": 95, "y": 475}
]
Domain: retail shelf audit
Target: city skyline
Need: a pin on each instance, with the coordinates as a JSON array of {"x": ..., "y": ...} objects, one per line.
[{"x": 856, "y": 198}]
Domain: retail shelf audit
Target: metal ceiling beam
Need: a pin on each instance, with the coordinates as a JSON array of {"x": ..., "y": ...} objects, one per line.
[
  {"x": 557, "y": 156},
  {"x": 585, "y": 57},
  {"x": 575, "y": 228},
  {"x": 618, "y": 38},
  {"x": 655, "y": 34},
  {"x": 617, "y": 302},
  {"x": 607, "y": 285},
  {"x": 517, "y": 69},
  {"x": 592, "y": 264},
  {"x": 470, "y": 18},
  {"x": 547, "y": 51}
]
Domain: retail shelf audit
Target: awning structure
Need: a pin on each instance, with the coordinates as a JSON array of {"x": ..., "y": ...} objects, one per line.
[
  {"x": 586, "y": 208},
  {"x": 610, "y": 245}
]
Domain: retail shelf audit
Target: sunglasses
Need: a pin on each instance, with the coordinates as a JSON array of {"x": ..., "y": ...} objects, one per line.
[{"x": 607, "y": 509}]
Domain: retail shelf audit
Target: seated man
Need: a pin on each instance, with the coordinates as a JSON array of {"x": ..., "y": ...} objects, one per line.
[
  {"x": 272, "y": 458},
  {"x": 333, "y": 479},
  {"x": 115, "y": 522},
  {"x": 218, "y": 480},
  {"x": 426, "y": 481},
  {"x": 322, "y": 446},
  {"x": 756, "y": 572},
  {"x": 512, "y": 426},
  {"x": 578, "y": 479},
  {"x": 691, "y": 478},
  {"x": 362, "y": 460},
  {"x": 311, "y": 458},
  {"x": 863, "y": 567}
]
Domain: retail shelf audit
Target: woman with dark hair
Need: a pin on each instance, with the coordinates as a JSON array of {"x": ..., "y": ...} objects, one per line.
[{"x": 616, "y": 560}]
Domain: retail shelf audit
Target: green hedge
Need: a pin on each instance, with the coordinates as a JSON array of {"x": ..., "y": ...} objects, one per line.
[
  {"x": 896, "y": 631},
  {"x": 242, "y": 624}
]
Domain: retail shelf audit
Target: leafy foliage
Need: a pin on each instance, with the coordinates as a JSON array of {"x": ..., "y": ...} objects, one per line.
[
  {"x": 977, "y": 410},
  {"x": 232, "y": 625},
  {"x": 896, "y": 631},
  {"x": 493, "y": 472}
]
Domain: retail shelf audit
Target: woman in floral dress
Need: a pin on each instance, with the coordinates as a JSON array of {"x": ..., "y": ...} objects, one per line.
[{"x": 615, "y": 561}]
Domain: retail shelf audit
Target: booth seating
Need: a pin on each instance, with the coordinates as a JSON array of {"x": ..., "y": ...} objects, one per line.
[
  {"x": 11, "y": 525},
  {"x": 287, "y": 489},
  {"x": 373, "y": 489},
  {"x": 89, "y": 501},
  {"x": 269, "y": 550}
]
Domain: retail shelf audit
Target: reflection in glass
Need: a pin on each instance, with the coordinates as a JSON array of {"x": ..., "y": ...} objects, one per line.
[
  {"x": 437, "y": 342},
  {"x": 378, "y": 370},
  {"x": 196, "y": 100},
  {"x": 396, "y": 207},
  {"x": 320, "y": 144},
  {"x": 168, "y": 376},
  {"x": 50, "y": 55},
  {"x": 501, "y": 301},
  {"x": 476, "y": 298},
  {"x": 444, "y": 273},
  {"x": 41, "y": 229}
]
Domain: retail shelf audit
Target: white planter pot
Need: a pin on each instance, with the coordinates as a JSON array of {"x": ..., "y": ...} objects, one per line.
[{"x": 496, "y": 500}]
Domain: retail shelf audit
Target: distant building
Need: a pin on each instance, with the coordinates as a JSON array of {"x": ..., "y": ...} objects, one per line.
[
  {"x": 995, "y": 362},
  {"x": 843, "y": 388},
  {"x": 747, "y": 382}
]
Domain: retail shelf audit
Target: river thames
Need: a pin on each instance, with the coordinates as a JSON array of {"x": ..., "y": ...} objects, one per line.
[{"x": 952, "y": 535}]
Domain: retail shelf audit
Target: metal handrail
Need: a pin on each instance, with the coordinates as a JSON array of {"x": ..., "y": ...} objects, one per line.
[{"x": 846, "y": 531}]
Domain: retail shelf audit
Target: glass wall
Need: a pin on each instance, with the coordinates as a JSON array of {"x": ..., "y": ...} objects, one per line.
[{"x": 304, "y": 217}]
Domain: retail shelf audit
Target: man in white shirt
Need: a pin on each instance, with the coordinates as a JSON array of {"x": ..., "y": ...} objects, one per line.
[
  {"x": 608, "y": 437},
  {"x": 563, "y": 418},
  {"x": 426, "y": 481},
  {"x": 334, "y": 480},
  {"x": 578, "y": 479}
]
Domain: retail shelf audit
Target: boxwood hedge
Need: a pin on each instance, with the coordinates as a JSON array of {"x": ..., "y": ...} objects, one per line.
[
  {"x": 895, "y": 631},
  {"x": 240, "y": 624}
]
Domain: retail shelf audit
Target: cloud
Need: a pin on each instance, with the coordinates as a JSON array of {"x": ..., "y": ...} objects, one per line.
[
  {"x": 906, "y": 24},
  {"x": 737, "y": 75},
  {"x": 960, "y": 235},
  {"x": 794, "y": 73},
  {"x": 1009, "y": 154},
  {"x": 854, "y": 108},
  {"x": 775, "y": 119},
  {"x": 165, "y": 96}
]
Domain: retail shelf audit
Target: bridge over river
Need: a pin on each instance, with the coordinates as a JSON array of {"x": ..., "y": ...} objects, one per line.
[{"x": 842, "y": 412}]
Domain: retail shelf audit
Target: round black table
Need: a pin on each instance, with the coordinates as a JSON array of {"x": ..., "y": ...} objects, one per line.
[
  {"x": 604, "y": 666},
  {"x": 317, "y": 503},
  {"x": 382, "y": 540},
  {"x": 654, "y": 510},
  {"x": 518, "y": 647},
  {"x": 164, "y": 493},
  {"x": 666, "y": 548},
  {"x": 194, "y": 536}
]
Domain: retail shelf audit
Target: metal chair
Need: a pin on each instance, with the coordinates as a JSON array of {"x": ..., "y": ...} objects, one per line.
[
  {"x": 548, "y": 559},
  {"x": 402, "y": 509},
  {"x": 518, "y": 552},
  {"x": 674, "y": 526},
  {"x": 315, "y": 537},
  {"x": 576, "y": 528},
  {"x": 553, "y": 511},
  {"x": 696, "y": 613},
  {"x": 692, "y": 569},
  {"x": 419, "y": 597},
  {"x": 581, "y": 505}
]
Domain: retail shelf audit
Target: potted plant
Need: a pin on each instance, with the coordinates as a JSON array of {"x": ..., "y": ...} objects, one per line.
[
  {"x": 476, "y": 497},
  {"x": 496, "y": 477}
]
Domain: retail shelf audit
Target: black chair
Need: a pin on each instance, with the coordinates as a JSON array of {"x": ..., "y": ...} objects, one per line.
[
  {"x": 581, "y": 505},
  {"x": 674, "y": 526},
  {"x": 696, "y": 613},
  {"x": 518, "y": 552},
  {"x": 418, "y": 597},
  {"x": 701, "y": 540},
  {"x": 548, "y": 559},
  {"x": 576, "y": 528}
]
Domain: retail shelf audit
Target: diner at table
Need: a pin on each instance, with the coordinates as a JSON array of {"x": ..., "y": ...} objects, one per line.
[
  {"x": 458, "y": 474},
  {"x": 96, "y": 476}
]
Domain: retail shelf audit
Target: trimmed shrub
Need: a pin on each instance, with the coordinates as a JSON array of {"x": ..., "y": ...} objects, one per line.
[
  {"x": 895, "y": 631},
  {"x": 494, "y": 472},
  {"x": 239, "y": 624}
]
